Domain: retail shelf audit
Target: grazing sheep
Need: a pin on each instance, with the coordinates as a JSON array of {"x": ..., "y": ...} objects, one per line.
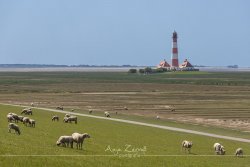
[
  {"x": 32, "y": 104},
  {"x": 125, "y": 108},
  {"x": 59, "y": 108},
  {"x": 26, "y": 120},
  {"x": 65, "y": 119},
  {"x": 15, "y": 116},
  {"x": 15, "y": 127},
  {"x": 239, "y": 152},
  {"x": 32, "y": 122},
  {"x": 55, "y": 117},
  {"x": 10, "y": 118},
  {"x": 72, "y": 110},
  {"x": 90, "y": 111},
  {"x": 63, "y": 140},
  {"x": 70, "y": 119},
  {"x": 219, "y": 149},
  {"x": 79, "y": 138},
  {"x": 20, "y": 118},
  {"x": 29, "y": 112},
  {"x": 187, "y": 145},
  {"x": 157, "y": 117},
  {"x": 24, "y": 111},
  {"x": 106, "y": 114},
  {"x": 67, "y": 115}
]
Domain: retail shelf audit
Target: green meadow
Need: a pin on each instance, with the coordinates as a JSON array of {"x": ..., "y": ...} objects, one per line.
[
  {"x": 205, "y": 95},
  {"x": 108, "y": 145}
]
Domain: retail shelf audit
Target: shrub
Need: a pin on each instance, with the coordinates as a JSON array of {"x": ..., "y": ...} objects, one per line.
[
  {"x": 148, "y": 70},
  {"x": 141, "y": 71},
  {"x": 132, "y": 71}
]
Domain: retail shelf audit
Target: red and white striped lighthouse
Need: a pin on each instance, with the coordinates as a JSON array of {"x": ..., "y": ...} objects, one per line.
[{"x": 175, "y": 62}]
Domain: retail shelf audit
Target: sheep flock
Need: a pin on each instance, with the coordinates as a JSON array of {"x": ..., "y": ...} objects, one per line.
[{"x": 78, "y": 138}]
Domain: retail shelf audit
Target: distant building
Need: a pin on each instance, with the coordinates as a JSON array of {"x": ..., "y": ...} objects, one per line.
[
  {"x": 164, "y": 64},
  {"x": 186, "y": 65},
  {"x": 174, "y": 57}
]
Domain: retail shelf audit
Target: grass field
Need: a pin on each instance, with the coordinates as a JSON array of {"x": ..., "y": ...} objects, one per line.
[
  {"x": 104, "y": 133},
  {"x": 219, "y": 99}
]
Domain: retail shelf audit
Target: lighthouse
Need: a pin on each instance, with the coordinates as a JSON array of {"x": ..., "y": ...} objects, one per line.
[{"x": 175, "y": 62}]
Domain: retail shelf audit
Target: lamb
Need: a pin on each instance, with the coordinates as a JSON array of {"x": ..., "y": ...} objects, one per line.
[
  {"x": 69, "y": 119},
  {"x": 55, "y": 117},
  {"x": 106, "y": 114},
  {"x": 239, "y": 152},
  {"x": 79, "y": 138},
  {"x": 26, "y": 120},
  {"x": 15, "y": 127},
  {"x": 63, "y": 140},
  {"x": 187, "y": 145},
  {"x": 219, "y": 149},
  {"x": 32, "y": 122}
]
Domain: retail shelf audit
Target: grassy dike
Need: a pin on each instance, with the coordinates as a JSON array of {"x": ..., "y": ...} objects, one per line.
[{"x": 36, "y": 146}]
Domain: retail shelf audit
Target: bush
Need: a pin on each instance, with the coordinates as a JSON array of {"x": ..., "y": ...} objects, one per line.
[
  {"x": 148, "y": 70},
  {"x": 132, "y": 71},
  {"x": 159, "y": 70},
  {"x": 141, "y": 71}
]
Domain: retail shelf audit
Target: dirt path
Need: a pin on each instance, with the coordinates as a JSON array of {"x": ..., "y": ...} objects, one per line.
[{"x": 145, "y": 124}]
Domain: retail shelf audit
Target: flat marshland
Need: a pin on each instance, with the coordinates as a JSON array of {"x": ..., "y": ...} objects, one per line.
[
  {"x": 213, "y": 102},
  {"x": 198, "y": 97}
]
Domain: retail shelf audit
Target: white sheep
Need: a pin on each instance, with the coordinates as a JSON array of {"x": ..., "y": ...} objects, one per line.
[
  {"x": 63, "y": 140},
  {"x": 219, "y": 149},
  {"x": 55, "y": 117},
  {"x": 32, "y": 122},
  {"x": 239, "y": 152},
  {"x": 10, "y": 118},
  {"x": 15, "y": 127},
  {"x": 70, "y": 119},
  {"x": 29, "y": 112},
  {"x": 25, "y": 110},
  {"x": 73, "y": 118},
  {"x": 79, "y": 138},
  {"x": 59, "y": 108},
  {"x": 106, "y": 114},
  {"x": 187, "y": 145},
  {"x": 15, "y": 116},
  {"x": 26, "y": 120},
  {"x": 157, "y": 117}
]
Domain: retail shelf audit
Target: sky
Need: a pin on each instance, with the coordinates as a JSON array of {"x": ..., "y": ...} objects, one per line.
[{"x": 121, "y": 32}]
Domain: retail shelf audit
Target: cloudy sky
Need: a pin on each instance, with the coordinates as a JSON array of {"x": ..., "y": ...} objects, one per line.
[{"x": 117, "y": 32}]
